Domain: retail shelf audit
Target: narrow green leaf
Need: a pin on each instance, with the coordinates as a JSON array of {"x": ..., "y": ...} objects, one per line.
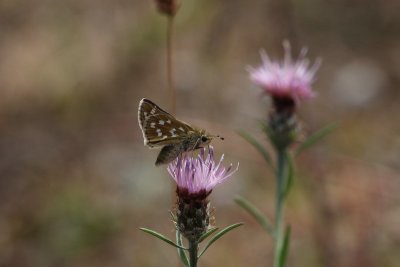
[
  {"x": 289, "y": 174},
  {"x": 285, "y": 248},
  {"x": 218, "y": 235},
  {"x": 257, "y": 145},
  {"x": 318, "y": 135},
  {"x": 181, "y": 252},
  {"x": 207, "y": 234},
  {"x": 256, "y": 213},
  {"x": 162, "y": 237}
]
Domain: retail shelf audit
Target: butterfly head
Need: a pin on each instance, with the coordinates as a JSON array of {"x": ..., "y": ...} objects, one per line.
[{"x": 206, "y": 139}]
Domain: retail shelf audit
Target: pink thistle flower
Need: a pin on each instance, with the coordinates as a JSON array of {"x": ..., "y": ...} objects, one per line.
[
  {"x": 287, "y": 79},
  {"x": 200, "y": 174},
  {"x": 195, "y": 179}
]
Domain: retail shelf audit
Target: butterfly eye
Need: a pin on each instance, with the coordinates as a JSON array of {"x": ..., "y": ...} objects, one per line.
[{"x": 204, "y": 138}]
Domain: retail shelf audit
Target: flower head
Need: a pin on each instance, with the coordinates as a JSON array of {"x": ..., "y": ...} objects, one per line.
[
  {"x": 202, "y": 173},
  {"x": 167, "y": 7},
  {"x": 287, "y": 79},
  {"x": 195, "y": 179}
]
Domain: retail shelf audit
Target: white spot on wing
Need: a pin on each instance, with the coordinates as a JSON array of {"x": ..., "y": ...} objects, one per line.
[
  {"x": 153, "y": 125},
  {"x": 161, "y": 122},
  {"x": 164, "y": 137},
  {"x": 159, "y": 134},
  {"x": 169, "y": 121},
  {"x": 172, "y": 131},
  {"x": 180, "y": 128}
]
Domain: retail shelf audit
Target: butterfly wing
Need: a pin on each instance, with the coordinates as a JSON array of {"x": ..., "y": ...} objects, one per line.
[{"x": 160, "y": 128}]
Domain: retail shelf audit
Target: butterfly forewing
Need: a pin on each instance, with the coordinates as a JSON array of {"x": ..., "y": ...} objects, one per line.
[{"x": 159, "y": 127}]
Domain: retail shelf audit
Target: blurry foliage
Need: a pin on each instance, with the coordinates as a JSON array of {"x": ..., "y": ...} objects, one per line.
[{"x": 70, "y": 224}]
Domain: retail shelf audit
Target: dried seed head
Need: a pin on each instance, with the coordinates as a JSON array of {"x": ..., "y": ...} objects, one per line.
[{"x": 167, "y": 7}]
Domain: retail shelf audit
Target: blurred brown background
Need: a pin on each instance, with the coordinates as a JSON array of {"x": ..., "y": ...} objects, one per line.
[{"x": 77, "y": 182}]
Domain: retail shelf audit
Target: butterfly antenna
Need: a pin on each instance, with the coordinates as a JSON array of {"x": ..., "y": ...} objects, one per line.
[{"x": 220, "y": 137}]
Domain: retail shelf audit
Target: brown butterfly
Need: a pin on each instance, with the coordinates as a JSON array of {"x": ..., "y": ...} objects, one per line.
[{"x": 161, "y": 129}]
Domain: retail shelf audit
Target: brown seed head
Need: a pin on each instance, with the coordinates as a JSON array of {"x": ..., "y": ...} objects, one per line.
[{"x": 167, "y": 7}]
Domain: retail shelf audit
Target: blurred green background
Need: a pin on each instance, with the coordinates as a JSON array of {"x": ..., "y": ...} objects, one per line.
[{"x": 77, "y": 182}]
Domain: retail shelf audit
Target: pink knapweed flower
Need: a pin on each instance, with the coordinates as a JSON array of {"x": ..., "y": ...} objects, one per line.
[
  {"x": 195, "y": 179},
  {"x": 287, "y": 79},
  {"x": 199, "y": 174}
]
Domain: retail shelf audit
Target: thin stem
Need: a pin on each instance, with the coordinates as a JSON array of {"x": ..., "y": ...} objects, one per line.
[
  {"x": 279, "y": 208},
  {"x": 171, "y": 86},
  {"x": 193, "y": 249},
  {"x": 170, "y": 82}
]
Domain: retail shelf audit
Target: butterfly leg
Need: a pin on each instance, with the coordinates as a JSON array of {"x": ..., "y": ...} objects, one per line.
[
  {"x": 196, "y": 145},
  {"x": 168, "y": 153}
]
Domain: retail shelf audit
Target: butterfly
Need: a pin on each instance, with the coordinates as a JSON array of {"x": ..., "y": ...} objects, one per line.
[{"x": 161, "y": 129}]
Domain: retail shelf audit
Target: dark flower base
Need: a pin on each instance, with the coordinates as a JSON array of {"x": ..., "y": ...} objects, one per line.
[
  {"x": 192, "y": 213},
  {"x": 284, "y": 104},
  {"x": 282, "y": 125}
]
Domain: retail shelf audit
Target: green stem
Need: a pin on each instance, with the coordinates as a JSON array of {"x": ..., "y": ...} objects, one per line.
[
  {"x": 279, "y": 208},
  {"x": 170, "y": 78},
  {"x": 193, "y": 249}
]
